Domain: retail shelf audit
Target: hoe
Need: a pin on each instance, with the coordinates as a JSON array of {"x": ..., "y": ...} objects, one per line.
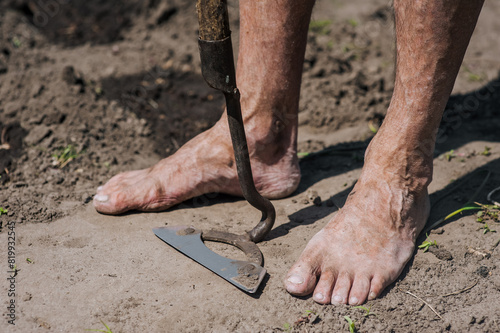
[{"x": 217, "y": 64}]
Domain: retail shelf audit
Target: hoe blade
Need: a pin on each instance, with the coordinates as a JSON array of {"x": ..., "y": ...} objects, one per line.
[{"x": 245, "y": 275}]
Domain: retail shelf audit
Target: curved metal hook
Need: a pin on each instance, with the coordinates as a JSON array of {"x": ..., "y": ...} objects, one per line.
[{"x": 217, "y": 64}]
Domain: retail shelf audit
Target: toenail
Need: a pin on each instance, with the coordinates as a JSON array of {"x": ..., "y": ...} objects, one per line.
[
  {"x": 353, "y": 301},
  {"x": 101, "y": 198},
  {"x": 337, "y": 299},
  {"x": 319, "y": 296},
  {"x": 99, "y": 188},
  {"x": 372, "y": 295},
  {"x": 295, "y": 279}
]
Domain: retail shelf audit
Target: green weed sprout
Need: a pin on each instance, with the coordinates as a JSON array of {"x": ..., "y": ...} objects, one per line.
[
  {"x": 319, "y": 26},
  {"x": 487, "y": 213},
  {"x": 64, "y": 156},
  {"x": 108, "y": 330},
  {"x": 469, "y": 205},
  {"x": 302, "y": 154},
  {"x": 427, "y": 244},
  {"x": 372, "y": 128},
  {"x": 450, "y": 155},
  {"x": 16, "y": 42},
  {"x": 458, "y": 211},
  {"x": 487, "y": 229},
  {"x": 473, "y": 77},
  {"x": 350, "y": 322},
  {"x": 486, "y": 151},
  {"x": 3, "y": 211},
  {"x": 367, "y": 310}
]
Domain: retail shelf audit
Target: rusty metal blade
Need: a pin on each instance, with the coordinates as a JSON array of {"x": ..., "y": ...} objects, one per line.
[{"x": 245, "y": 275}]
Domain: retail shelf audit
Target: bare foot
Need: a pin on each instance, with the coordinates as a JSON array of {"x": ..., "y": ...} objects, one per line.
[
  {"x": 203, "y": 165},
  {"x": 366, "y": 245},
  {"x": 270, "y": 90}
]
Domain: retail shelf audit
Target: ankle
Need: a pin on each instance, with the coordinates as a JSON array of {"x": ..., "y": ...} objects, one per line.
[
  {"x": 400, "y": 160},
  {"x": 271, "y": 130}
]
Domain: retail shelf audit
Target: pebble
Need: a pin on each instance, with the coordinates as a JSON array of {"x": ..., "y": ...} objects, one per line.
[
  {"x": 313, "y": 197},
  {"x": 441, "y": 254},
  {"x": 483, "y": 271},
  {"x": 68, "y": 75},
  {"x": 438, "y": 231}
]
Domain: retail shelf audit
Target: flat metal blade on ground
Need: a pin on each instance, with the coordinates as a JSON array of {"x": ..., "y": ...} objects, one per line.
[{"x": 245, "y": 275}]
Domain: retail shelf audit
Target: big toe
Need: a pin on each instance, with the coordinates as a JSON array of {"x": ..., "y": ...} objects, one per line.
[
  {"x": 114, "y": 202},
  {"x": 124, "y": 193},
  {"x": 301, "y": 279}
]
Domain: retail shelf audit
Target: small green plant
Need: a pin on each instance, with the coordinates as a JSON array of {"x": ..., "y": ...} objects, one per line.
[
  {"x": 458, "y": 211},
  {"x": 29, "y": 261},
  {"x": 372, "y": 127},
  {"x": 16, "y": 42},
  {"x": 486, "y": 151},
  {"x": 486, "y": 228},
  {"x": 64, "y": 156},
  {"x": 98, "y": 90},
  {"x": 320, "y": 26},
  {"x": 488, "y": 213},
  {"x": 469, "y": 205},
  {"x": 353, "y": 23},
  {"x": 367, "y": 310},
  {"x": 329, "y": 45},
  {"x": 287, "y": 327},
  {"x": 480, "y": 216},
  {"x": 302, "y": 154},
  {"x": 14, "y": 271},
  {"x": 350, "y": 322},
  {"x": 473, "y": 77},
  {"x": 3, "y": 211},
  {"x": 450, "y": 155},
  {"x": 108, "y": 330},
  {"x": 427, "y": 244}
]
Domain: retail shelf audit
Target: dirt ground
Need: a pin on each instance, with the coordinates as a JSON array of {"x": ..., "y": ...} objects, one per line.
[{"x": 88, "y": 90}]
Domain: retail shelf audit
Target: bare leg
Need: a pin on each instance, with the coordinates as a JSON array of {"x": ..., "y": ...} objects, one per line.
[
  {"x": 367, "y": 244},
  {"x": 272, "y": 47}
]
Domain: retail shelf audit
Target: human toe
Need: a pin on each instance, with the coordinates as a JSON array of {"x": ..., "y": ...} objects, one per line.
[
  {"x": 323, "y": 291},
  {"x": 300, "y": 280},
  {"x": 359, "y": 290},
  {"x": 377, "y": 285},
  {"x": 341, "y": 289},
  {"x": 114, "y": 202}
]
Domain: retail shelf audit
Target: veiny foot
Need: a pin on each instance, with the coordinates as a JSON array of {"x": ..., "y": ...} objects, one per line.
[
  {"x": 204, "y": 165},
  {"x": 366, "y": 245}
]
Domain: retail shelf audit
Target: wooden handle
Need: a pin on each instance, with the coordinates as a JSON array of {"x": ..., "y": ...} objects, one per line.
[{"x": 213, "y": 19}]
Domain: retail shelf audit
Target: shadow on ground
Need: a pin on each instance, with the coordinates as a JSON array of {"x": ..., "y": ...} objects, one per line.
[{"x": 77, "y": 22}]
